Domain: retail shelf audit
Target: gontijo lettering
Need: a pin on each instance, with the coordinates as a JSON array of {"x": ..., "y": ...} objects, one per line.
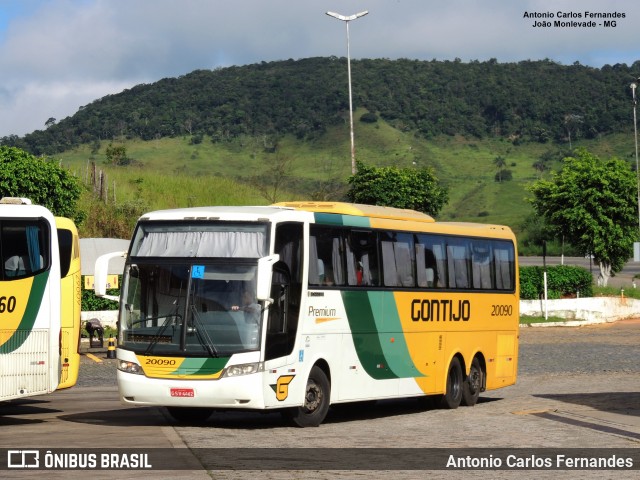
[{"x": 440, "y": 310}]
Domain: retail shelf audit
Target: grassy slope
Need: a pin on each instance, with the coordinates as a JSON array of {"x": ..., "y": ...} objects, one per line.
[{"x": 173, "y": 173}]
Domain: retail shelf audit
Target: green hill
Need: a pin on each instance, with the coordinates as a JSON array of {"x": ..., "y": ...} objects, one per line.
[
  {"x": 539, "y": 101},
  {"x": 172, "y": 172},
  {"x": 279, "y": 130}
]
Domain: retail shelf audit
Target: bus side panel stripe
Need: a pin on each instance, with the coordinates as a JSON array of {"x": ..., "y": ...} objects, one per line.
[
  {"x": 346, "y": 220},
  {"x": 160, "y": 367},
  {"x": 30, "y": 314},
  {"x": 365, "y": 334},
  {"x": 392, "y": 337},
  {"x": 328, "y": 218},
  {"x": 210, "y": 366}
]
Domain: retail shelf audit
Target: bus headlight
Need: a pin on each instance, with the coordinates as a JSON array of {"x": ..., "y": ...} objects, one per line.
[
  {"x": 130, "y": 367},
  {"x": 244, "y": 369}
]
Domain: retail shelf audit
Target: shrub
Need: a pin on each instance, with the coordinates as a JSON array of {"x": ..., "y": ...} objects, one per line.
[
  {"x": 562, "y": 280},
  {"x": 369, "y": 117},
  {"x": 503, "y": 176},
  {"x": 92, "y": 303}
]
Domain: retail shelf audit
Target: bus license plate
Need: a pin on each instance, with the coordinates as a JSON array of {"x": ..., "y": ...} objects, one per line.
[{"x": 182, "y": 392}]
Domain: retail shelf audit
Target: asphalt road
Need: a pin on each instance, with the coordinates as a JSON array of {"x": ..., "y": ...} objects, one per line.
[{"x": 623, "y": 279}]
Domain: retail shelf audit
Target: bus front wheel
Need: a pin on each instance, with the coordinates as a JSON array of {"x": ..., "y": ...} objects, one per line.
[
  {"x": 316, "y": 401},
  {"x": 455, "y": 380}
]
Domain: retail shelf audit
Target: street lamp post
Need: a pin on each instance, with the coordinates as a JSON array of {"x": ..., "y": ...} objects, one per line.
[
  {"x": 634, "y": 85},
  {"x": 636, "y": 245},
  {"x": 346, "y": 20}
]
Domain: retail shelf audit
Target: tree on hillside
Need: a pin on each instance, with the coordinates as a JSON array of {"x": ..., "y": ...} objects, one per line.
[
  {"x": 271, "y": 181},
  {"x": 540, "y": 166},
  {"x": 593, "y": 204},
  {"x": 417, "y": 189},
  {"x": 572, "y": 122},
  {"x": 41, "y": 180},
  {"x": 117, "y": 155},
  {"x": 500, "y": 163}
]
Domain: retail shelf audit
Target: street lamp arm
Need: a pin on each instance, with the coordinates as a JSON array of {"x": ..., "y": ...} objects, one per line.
[{"x": 348, "y": 18}]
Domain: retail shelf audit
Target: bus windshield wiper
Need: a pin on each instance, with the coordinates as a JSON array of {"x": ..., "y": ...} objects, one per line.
[
  {"x": 201, "y": 332},
  {"x": 158, "y": 335}
]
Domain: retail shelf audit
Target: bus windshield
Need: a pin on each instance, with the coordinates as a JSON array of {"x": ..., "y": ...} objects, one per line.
[{"x": 190, "y": 309}]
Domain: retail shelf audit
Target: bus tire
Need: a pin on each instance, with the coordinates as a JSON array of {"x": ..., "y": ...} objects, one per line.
[
  {"x": 190, "y": 414},
  {"x": 453, "y": 394},
  {"x": 472, "y": 384},
  {"x": 316, "y": 401}
]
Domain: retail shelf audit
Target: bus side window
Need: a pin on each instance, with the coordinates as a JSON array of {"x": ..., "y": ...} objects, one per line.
[
  {"x": 398, "y": 259},
  {"x": 481, "y": 265},
  {"x": 430, "y": 261},
  {"x": 504, "y": 259},
  {"x": 363, "y": 245},
  {"x": 14, "y": 267},
  {"x": 459, "y": 263},
  {"x": 326, "y": 250},
  {"x": 280, "y": 295}
]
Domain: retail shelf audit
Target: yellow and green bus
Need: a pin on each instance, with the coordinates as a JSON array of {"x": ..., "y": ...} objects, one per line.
[
  {"x": 29, "y": 300},
  {"x": 71, "y": 295},
  {"x": 301, "y": 305}
]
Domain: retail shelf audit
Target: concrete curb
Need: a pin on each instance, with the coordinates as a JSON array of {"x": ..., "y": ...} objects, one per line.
[
  {"x": 584, "y": 311},
  {"x": 569, "y": 323}
]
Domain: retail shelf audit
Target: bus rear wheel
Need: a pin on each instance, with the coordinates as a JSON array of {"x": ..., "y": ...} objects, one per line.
[
  {"x": 455, "y": 380},
  {"x": 316, "y": 401},
  {"x": 189, "y": 414},
  {"x": 472, "y": 384}
]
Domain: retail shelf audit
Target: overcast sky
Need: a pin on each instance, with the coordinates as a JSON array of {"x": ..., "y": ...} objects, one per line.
[{"x": 58, "y": 55}]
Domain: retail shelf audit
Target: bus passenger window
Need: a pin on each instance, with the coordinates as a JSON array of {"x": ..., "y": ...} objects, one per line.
[
  {"x": 426, "y": 268},
  {"x": 328, "y": 245},
  {"x": 431, "y": 261},
  {"x": 363, "y": 258},
  {"x": 481, "y": 265},
  {"x": 397, "y": 259},
  {"x": 458, "y": 262},
  {"x": 504, "y": 265}
]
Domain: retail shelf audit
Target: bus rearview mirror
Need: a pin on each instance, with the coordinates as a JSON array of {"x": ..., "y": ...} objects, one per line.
[{"x": 100, "y": 273}]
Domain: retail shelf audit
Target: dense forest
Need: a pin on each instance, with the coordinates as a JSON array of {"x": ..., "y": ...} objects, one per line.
[{"x": 528, "y": 101}]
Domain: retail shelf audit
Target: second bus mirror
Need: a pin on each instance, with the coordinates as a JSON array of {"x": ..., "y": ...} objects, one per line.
[
  {"x": 100, "y": 274},
  {"x": 263, "y": 280}
]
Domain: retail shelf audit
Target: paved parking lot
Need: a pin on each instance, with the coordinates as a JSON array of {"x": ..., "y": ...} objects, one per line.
[{"x": 577, "y": 388}]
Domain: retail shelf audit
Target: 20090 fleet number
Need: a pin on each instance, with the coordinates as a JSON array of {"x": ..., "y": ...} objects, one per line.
[
  {"x": 160, "y": 361},
  {"x": 501, "y": 310}
]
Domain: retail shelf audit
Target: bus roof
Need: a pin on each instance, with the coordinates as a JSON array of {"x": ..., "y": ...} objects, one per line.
[
  {"x": 374, "y": 216},
  {"x": 360, "y": 210},
  {"x": 214, "y": 213}
]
